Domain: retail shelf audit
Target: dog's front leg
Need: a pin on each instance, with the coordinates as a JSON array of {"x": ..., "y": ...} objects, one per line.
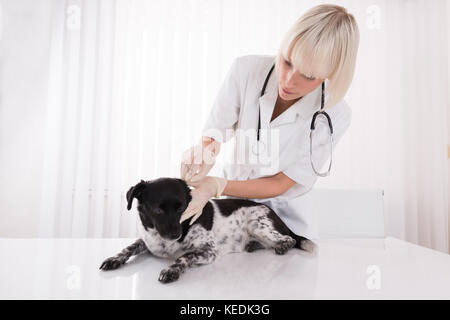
[
  {"x": 203, "y": 255},
  {"x": 119, "y": 259}
]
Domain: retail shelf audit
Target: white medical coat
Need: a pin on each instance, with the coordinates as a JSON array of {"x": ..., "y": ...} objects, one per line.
[{"x": 235, "y": 110}]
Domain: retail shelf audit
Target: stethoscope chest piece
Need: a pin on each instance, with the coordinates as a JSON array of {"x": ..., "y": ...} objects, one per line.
[{"x": 258, "y": 147}]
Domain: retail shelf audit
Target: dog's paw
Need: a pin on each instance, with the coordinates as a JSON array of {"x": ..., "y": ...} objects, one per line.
[
  {"x": 169, "y": 275},
  {"x": 111, "y": 263},
  {"x": 253, "y": 246},
  {"x": 309, "y": 246},
  {"x": 283, "y": 246}
]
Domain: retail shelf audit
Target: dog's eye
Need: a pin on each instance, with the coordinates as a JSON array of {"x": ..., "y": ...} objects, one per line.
[
  {"x": 180, "y": 209},
  {"x": 158, "y": 211}
]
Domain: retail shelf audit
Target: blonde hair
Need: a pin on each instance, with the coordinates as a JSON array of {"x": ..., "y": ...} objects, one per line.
[{"x": 323, "y": 43}]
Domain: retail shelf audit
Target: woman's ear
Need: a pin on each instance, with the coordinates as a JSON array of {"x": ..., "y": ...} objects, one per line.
[{"x": 135, "y": 192}]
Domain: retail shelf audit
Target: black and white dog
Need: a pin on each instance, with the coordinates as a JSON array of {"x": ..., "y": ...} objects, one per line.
[{"x": 225, "y": 226}]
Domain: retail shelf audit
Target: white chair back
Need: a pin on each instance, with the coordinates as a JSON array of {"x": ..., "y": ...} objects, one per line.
[{"x": 348, "y": 213}]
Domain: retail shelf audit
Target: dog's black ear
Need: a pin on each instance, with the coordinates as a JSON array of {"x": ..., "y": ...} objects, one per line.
[
  {"x": 135, "y": 192},
  {"x": 186, "y": 189}
]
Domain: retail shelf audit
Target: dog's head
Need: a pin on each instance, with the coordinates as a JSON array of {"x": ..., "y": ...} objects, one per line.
[{"x": 160, "y": 204}]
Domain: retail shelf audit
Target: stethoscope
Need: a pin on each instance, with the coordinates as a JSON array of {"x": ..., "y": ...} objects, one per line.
[{"x": 313, "y": 120}]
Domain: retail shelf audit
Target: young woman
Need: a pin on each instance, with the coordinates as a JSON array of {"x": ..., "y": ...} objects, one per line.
[{"x": 318, "y": 52}]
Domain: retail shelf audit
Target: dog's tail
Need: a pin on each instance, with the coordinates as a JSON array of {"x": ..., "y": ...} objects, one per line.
[{"x": 303, "y": 243}]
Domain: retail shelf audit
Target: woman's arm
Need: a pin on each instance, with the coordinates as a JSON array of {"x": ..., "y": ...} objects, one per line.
[{"x": 260, "y": 188}]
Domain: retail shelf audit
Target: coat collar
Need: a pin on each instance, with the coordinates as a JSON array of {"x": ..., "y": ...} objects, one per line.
[{"x": 303, "y": 108}]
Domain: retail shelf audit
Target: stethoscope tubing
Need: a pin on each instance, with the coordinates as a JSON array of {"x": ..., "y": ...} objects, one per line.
[{"x": 312, "y": 127}]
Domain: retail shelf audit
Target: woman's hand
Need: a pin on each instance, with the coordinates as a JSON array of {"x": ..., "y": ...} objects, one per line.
[
  {"x": 205, "y": 189},
  {"x": 198, "y": 160}
]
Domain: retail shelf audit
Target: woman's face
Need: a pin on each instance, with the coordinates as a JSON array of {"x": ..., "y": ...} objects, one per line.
[{"x": 291, "y": 83}]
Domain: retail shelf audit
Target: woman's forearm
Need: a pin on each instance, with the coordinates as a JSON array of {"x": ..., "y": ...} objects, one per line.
[{"x": 260, "y": 188}]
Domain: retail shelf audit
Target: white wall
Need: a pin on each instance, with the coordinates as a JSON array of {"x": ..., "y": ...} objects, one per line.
[
  {"x": 387, "y": 147},
  {"x": 448, "y": 109},
  {"x": 24, "y": 44}
]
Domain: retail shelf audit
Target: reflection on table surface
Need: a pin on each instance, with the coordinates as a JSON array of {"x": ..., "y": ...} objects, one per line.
[{"x": 341, "y": 269}]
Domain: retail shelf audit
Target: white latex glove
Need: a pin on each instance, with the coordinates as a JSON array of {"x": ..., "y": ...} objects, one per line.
[
  {"x": 205, "y": 189},
  {"x": 198, "y": 161}
]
